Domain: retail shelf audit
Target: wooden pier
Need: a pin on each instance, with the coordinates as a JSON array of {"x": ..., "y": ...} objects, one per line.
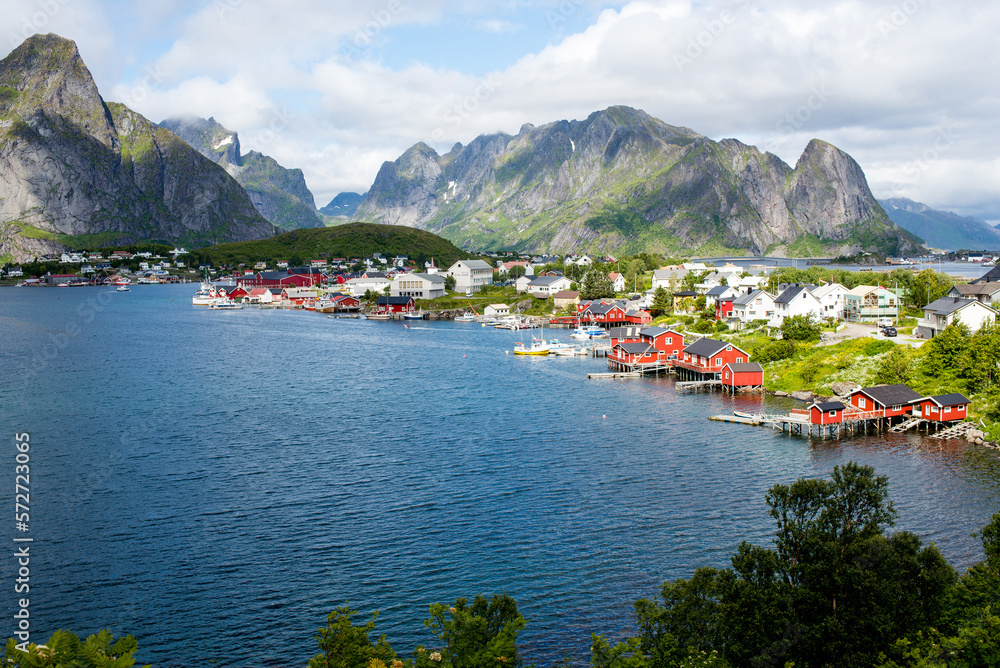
[
  {"x": 696, "y": 385},
  {"x": 798, "y": 422},
  {"x": 615, "y": 374}
]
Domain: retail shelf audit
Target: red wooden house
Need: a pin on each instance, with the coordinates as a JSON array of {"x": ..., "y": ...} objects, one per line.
[
  {"x": 885, "y": 400},
  {"x": 638, "y": 317},
  {"x": 826, "y": 412},
  {"x": 706, "y": 357},
  {"x": 239, "y": 293},
  {"x": 394, "y": 304},
  {"x": 279, "y": 280},
  {"x": 347, "y": 303},
  {"x": 667, "y": 341},
  {"x": 634, "y": 353},
  {"x": 605, "y": 314},
  {"x": 742, "y": 374},
  {"x": 942, "y": 408},
  {"x": 724, "y": 308}
]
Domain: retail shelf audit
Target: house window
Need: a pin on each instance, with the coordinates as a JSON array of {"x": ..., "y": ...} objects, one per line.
[
  {"x": 727, "y": 375},
  {"x": 947, "y": 409},
  {"x": 833, "y": 413},
  {"x": 669, "y": 340},
  {"x": 861, "y": 402},
  {"x": 729, "y": 349},
  {"x": 739, "y": 360},
  {"x": 897, "y": 408},
  {"x": 718, "y": 361}
]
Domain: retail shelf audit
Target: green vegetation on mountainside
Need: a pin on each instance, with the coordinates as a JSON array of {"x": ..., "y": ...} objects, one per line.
[{"x": 352, "y": 240}]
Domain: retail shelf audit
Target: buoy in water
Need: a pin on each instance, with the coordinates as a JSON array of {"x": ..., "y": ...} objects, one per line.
[{"x": 604, "y": 417}]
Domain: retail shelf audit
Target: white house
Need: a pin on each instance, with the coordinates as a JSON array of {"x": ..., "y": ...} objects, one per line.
[
  {"x": 831, "y": 300},
  {"x": 71, "y": 258},
  {"x": 669, "y": 277},
  {"x": 795, "y": 300},
  {"x": 418, "y": 286},
  {"x": 544, "y": 286},
  {"x": 471, "y": 275},
  {"x": 757, "y": 305},
  {"x": 359, "y": 286},
  {"x": 504, "y": 267},
  {"x": 14, "y": 271},
  {"x": 617, "y": 281},
  {"x": 496, "y": 310},
  {"x": 522, "y": 282},
  {"x": 987, "y": 293},
  {"x": 747, "y": 284},
  {"x": 947, "y": 310}
]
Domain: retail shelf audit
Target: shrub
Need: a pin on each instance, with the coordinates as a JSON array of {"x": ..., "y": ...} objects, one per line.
[{"x": 774, "y": 351}]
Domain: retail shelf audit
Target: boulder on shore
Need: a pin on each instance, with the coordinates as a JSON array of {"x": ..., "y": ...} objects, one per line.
[
  {"x": 803, "y": 395},
  {"x": 844, "y": 388}
]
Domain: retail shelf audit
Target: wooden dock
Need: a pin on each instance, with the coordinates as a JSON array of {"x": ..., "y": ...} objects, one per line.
[
  {"x": 615, "y": 374},
  {"x": 696, "y": 385}
]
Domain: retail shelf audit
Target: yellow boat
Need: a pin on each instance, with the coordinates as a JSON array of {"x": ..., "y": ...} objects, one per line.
[{"x": 537, "y": 347}]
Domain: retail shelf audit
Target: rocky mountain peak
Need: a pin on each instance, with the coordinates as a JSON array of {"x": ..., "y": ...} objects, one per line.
[{"x": 46, "y": 72}]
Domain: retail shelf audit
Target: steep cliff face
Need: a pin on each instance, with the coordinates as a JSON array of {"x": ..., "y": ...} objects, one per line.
[
  {"x": 278, "y": 193},
  {"x": 622, "y": 180},
  {"x": 72, "y": 165}
]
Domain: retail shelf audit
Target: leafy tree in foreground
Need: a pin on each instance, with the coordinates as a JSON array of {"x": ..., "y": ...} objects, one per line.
[
  {"x": 596, "y": 284},
  {"x": 893, "y": 368},
  {"x": 65, "y": 650},
  {"x": 835, "y": 590},
  {"x": 344, "y": 645}
]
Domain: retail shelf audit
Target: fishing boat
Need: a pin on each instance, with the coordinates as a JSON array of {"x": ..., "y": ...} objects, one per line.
[
  {"x": 588, "y": 332},
  {"x": 378, "y": 316},
  {"x": 537, "y": 347},
  {"x": 419, "y": 315},
  {"x": 325, "y": 306},
  {"x": 465, "y": 317},
  {"x": 121, "y": 280},
  {"x": 555, "y": 345},
  {"x": 206, "y": 295},
  {"x": 122, "y": 288}
]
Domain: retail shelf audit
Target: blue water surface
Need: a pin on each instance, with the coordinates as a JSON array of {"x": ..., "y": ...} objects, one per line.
[{"x": 215, "y": 483}]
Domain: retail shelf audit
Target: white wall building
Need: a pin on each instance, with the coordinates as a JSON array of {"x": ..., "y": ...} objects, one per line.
[
  {"x": 418, "y": 286},
  {"x": 794, "y": 301},
  {"x": 471, "y": 275},
  {"x": 831, "y": 300}
]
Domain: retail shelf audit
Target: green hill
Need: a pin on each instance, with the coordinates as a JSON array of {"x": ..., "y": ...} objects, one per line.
[{"x": 354, "y": 240}]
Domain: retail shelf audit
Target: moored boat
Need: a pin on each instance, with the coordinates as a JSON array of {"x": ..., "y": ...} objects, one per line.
[
  {"x": 588, "y": 332},
  {"x": 537, "y": 347},
  {"x": 465, "y": 317}
]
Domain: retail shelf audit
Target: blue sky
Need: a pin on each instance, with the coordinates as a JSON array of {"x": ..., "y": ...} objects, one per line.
[{"x": 907, "y": 87}]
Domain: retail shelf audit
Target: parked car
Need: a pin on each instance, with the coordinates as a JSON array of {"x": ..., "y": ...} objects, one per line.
[{"x": 889, "y": 331}]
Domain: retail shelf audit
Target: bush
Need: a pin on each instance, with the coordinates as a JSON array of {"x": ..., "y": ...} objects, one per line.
[
  {"x": 874, "y": 347},
  {"x": 774, "y": 351}
]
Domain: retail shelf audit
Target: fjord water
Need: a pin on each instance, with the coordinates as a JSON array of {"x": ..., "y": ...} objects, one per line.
[{"x": 216, "y": 482}]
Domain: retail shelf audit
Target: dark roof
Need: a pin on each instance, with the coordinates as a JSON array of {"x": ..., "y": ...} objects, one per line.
[
  {"x": 393, "y": 301},
  {"x": 829, "y": 406},
  {"x": 743, "y": 367},
  {"x": 717, "y": 290},
  {"x": 546, "y": 280},
  {"x": 890, "y": 395},
  {"x": 992, "y": 275},
  {"x": 635, "y": 347},
  {"x": 789, "y": 294},
  {"x": 977, "y": 288},
  {"x": 953, "y": 399},
  {"x": 706, "y": 347},
  {"x": 602, "y": 308},
  {"x": 631, "y": 332},
  {"x": 685, "y": 293},
  {"x": 948, "y": 305}
]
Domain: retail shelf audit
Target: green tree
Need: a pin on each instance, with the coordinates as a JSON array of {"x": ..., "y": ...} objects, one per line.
[
  {"x": 834, "y": 585},
  {"x": 64, "y": 649},
  {"x": 662, "y": 302},
  {"x": 981, "y": 362},
  {"x": 946, "y": 350},
  {"x": 481, "y": 635},
  {"x": 927, "y": 286},
  {"x": 344, "y": 645},
  {"x": 893, "y": 368},
  {"x": 800, "y": 328},
  {"x": 515, "y": 272},
  {"x": 596, "y": 285},
  {"x": 449, "y": 282},
  {"x": 295, "y": 260}
]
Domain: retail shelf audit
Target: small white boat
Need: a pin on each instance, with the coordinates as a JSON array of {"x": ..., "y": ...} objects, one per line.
[
  {"x": 225, "y": 304},
  {"x": 556, "y": 345},
  {"x": 419, "y": 315},
  {"x": 588, "y": 332},
  {"x": 122, "y": 288},
  {"x": 465, "y": 317}
]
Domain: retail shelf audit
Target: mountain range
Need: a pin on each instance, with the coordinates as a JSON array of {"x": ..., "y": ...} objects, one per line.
[
  {"x": 72, "y": 164},
  {"x": 624, "y": 181},
  {"x": 278, "y": 193},
  {"x": 941, "y": 229}
]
